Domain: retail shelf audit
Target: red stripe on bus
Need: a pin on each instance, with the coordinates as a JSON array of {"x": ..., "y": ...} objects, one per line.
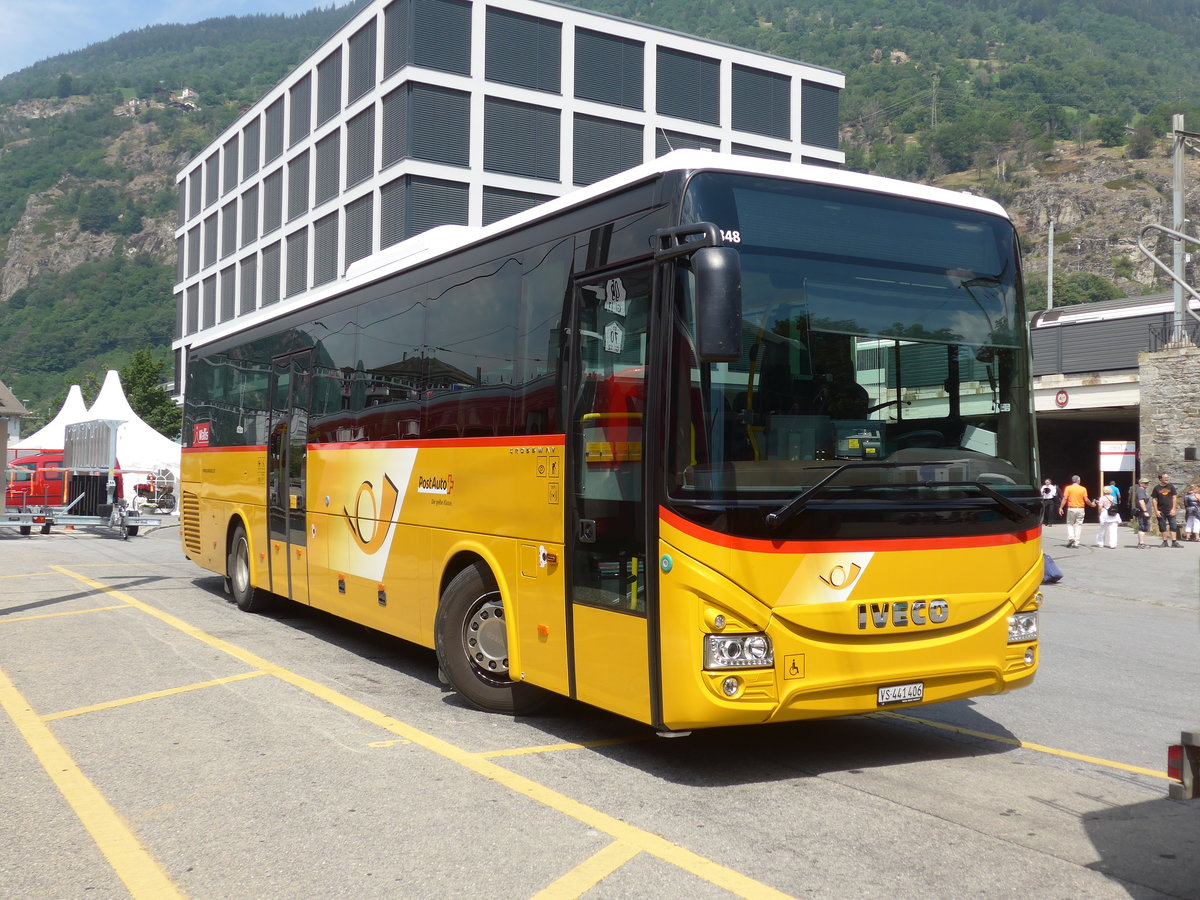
[
  {"x": 756, "y": 545},
  {"x": 254, "y": 448}
]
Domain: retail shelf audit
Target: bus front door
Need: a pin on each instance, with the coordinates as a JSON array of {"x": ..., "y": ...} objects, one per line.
[
  {"x": 610, "y": 665},
  {"x": 287, "y": 470}
]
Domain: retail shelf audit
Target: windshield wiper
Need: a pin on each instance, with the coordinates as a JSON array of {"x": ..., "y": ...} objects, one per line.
[{"x": 789, "y": 511}]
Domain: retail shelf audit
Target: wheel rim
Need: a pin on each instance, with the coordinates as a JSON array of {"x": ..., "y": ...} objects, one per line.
[
  {"x": 485, "y": 638},
  {"x": 241, "y": 567}
]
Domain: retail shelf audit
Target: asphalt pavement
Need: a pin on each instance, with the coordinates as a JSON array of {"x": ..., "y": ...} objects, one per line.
[{"x": 1157, "y": 574}]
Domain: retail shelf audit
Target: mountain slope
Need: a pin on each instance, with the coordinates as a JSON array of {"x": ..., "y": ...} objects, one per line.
[{"x": 1006, "y": 97}]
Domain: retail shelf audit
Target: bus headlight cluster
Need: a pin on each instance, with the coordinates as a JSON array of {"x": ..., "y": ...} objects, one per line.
[
  {"x": 1023, "y": 627},
  {"x": 738, "y": 651}
]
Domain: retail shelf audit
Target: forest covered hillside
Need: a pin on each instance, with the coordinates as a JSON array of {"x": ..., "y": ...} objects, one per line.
[{"x": 1058, "y": 108}]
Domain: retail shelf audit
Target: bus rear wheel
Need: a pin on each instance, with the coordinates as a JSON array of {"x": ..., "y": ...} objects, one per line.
[
  {"x": 471, "y": 638},
  {"x": 247, "y": 597}
]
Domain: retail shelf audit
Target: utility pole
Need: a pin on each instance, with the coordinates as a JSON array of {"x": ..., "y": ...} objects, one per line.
[
  {"x": 933, "y": 112},
  {"x": 1050, "y": 267}
]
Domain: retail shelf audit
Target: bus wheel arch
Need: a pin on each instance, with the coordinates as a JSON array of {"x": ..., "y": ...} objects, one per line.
[
  {"x": 238, "y": 570},
  {"x": 470, "y": 637}
]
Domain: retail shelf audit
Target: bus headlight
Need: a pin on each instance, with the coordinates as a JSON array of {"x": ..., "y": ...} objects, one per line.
[
  {"x": 738, "y": 651},
  {"x": 1023, "y": 627}
]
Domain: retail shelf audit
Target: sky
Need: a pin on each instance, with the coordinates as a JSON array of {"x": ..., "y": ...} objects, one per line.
[{"x": 32, "y": 30}]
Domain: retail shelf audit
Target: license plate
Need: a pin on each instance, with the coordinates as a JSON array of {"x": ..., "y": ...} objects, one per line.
[{"x": 902, "y": 693}]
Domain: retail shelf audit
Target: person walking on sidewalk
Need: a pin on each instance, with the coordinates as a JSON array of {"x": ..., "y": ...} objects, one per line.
[
  {"x": 1049, "y": 495},
  {"x": 1165, "y": 501},
  {"x": 1110, "y": 520},
  {"x": 1191, "y": 508},
  {"x": 1075, "y": 500},
  {"x": 1141, "y": 509}
]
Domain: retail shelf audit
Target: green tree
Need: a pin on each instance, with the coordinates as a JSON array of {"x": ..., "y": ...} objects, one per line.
[
  {"x": 1111, "y": 131},
  {"x": 142, "y": 380},
  {"x": 1141, "y": 142},
  {"x": 98, "y": 210}
]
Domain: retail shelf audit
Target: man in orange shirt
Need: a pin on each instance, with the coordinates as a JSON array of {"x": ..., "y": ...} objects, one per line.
[{"x": 1074, "y": 500}]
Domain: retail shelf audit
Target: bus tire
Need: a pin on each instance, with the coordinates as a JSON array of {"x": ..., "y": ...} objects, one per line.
[
  {"x": 247, "y": 597},
  {"x": 471, "y": 639}
]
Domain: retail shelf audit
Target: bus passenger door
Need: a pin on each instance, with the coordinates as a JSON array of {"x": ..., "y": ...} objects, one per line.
[
  {"x": 606, "y": 526},
  {"x": 287, "y": 470}
]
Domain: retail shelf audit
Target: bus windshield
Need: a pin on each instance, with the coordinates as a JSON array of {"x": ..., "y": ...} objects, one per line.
[{"x": 883, "y": 359}]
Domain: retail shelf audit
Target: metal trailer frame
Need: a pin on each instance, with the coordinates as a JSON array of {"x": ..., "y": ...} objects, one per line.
[{"x": 89, "y": 452}]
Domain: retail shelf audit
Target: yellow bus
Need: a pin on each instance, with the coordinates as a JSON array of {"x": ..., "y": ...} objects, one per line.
[{"x": 716, "y": 441}]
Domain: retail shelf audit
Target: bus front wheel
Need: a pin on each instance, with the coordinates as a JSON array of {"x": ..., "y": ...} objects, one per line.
[
  {"x": 471, "y": 638},
  {"x": 247, "y": 597}
]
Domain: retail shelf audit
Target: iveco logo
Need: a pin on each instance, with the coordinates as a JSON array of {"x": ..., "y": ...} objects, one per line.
[{"x": 902, "y": 613}]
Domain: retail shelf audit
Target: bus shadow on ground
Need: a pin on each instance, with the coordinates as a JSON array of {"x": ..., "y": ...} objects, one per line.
[
  {"x": 706, "y": 757},
  {"x": 1151, "y": 848}
]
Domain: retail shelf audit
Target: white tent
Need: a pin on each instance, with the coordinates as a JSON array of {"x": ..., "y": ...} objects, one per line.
[
  {"x": 51, "y": 435},
  {"x": 139, "y": 446}
]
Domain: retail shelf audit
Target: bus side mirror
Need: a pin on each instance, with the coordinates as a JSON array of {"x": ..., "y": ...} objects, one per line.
[{"x": 718, "y": 272}]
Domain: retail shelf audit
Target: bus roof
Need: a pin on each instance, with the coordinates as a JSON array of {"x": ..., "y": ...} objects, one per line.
[{"x": 446, "y": 239}]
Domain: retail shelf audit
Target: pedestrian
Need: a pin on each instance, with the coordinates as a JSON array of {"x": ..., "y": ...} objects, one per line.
[
  {"x": 1074, "y": 501},
  {"x": 1165, "y": 500},
  {"x": 1191, "y": 506},
  {"x": 1110, "y": 521},
  {"x": 1049, "y": 495},
  {"x": 1141, "y": 509},
  {"x": 1115, "y": 492}
]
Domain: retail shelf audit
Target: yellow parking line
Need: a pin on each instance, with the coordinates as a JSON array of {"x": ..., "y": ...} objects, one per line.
[
  {"x": 556, "y": 748},
  {"x": 733, "y": 881},
  {"x": 120, "y": 846},
  {"x": 153, "y": 695},
  {"x": 77, "y": 612},
  {"x": 1025, "y": 745},
  {"x": 589, "y": 873}
]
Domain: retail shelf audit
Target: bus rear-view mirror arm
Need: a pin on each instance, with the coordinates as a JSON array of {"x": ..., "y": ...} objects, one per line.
[{"x": 718, "y": 273}]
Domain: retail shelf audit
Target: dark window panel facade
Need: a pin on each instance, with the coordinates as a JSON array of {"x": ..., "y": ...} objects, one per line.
[
  {"x": 273, "y": 118},
  {"x": 272, "y": 188},
  {"x": 689, "y": 86},
  {"x": 360, "y": 228},
  {"x": 325, "y": 249},
  {"x": 329, "y": 87},
  {"x": 229, "y": 163},
  {"x": 500, "y": 204},
  {"x": 250, "y": 216},
  {"x": 762, "y": 102},
  {"x": 609, "y": 69},
  {"x": 604, "y": 147},
  {"x": 248, "y": 294},
  {"x": 298, "y": 186},
  {"x": 208, "y": 302},
  {"x": 229, "y": 229},
  {"x": 251, "y": 151},
  {"x": 819, "y": 115},
  {"x": 210, "y": 240},
  {"x": 212, "y": 179},
  {"x": 300, "y": 110},
  {"x": 228, "y": 292},
  {"x": 329, "y": 168},
  {"x": 297, "y": 262},
  {"x": 760, "y": 152},
  {"x": 666, "y": 141},
  {"x": 362, "y": 61},
  {"x": 360, "y": 147},
  {"x": 521, "y": 139},
  {"x": 410, "y": 205},
  {"x": 272, "y": 259},
  {"x": 523, "y": 50}
]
